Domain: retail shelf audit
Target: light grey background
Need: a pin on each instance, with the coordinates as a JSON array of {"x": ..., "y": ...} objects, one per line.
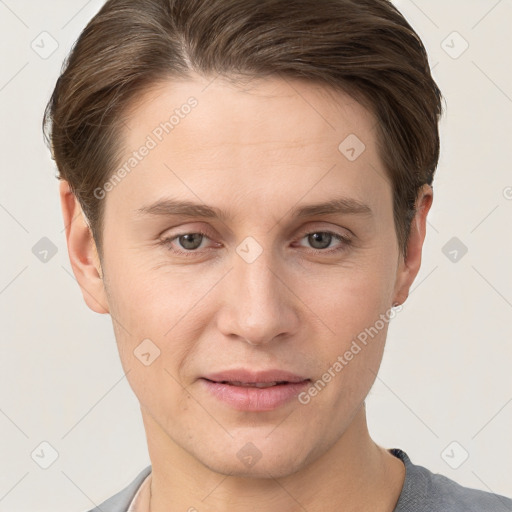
[{"x": 446, "y": 372}]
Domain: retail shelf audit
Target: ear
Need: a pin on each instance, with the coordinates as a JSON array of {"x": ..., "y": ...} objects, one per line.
[
  {"x": 82, "y": 251},
  {"x": 409, "y": 265}
]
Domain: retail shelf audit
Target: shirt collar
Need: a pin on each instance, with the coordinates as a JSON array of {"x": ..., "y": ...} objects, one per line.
[{"x": 140, "y": 502}]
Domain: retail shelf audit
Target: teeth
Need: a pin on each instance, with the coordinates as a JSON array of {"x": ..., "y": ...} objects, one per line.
[{"x": 251, "y": 384}]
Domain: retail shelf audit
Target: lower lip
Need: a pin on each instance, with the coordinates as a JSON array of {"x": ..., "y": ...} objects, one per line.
[{"x": 255, "y": 399}]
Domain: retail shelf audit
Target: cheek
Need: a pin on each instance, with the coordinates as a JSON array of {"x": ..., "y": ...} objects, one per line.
[
  {"x": 158, "y": 302},
  {"x": 354, "y": 311},
  {"x": 350, "y": 356},
  {"x": 158, "y": 318},
  {"x": 350, "y": 299},
  {"x": 153, "y": 320}
]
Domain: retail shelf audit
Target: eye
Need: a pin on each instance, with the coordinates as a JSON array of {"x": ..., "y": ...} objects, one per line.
[
  {"x": 321, "y": 241},
  {"x": 186, "y": 243}
]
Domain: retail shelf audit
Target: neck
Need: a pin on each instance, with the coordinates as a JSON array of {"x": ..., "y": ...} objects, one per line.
[{"x": 353, "y": 474}]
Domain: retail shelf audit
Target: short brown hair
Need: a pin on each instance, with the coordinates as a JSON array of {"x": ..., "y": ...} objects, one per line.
[{"x": 362, "y": 47}]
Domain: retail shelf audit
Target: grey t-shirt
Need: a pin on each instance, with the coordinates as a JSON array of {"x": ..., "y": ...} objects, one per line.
[{"x": 423, "y": 491}]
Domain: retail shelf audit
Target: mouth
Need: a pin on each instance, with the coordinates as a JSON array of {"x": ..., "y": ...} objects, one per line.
[
  {"x": 249, "y": 377},
  {"x": 256, "y": 392},
  {"x": 254, "y": 384}
]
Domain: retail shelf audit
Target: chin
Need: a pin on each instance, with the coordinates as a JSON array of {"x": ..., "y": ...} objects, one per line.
[
  {"x": 263, "y": 469},
  {"x": 257, "y": 456}
]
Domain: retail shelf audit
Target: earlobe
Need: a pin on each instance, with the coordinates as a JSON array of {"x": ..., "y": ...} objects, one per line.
[
  {"x": 410, "y": 264},
  {"x": 82, "y": 251}
]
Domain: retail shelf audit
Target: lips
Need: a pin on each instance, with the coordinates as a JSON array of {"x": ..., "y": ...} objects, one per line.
[{"x": 255, "y": 391}]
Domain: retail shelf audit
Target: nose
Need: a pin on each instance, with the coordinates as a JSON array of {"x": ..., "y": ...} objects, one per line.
[{"x": 258, "y": 304}]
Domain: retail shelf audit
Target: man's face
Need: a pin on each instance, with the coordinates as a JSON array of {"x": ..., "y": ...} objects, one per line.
[{"x": 261, "y": 273}]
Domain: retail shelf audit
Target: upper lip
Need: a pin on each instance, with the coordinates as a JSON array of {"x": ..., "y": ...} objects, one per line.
[{"x": 245, "y": 375}]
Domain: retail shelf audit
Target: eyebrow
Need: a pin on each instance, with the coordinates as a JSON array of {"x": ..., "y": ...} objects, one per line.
[{"x": 170, "y": 207}]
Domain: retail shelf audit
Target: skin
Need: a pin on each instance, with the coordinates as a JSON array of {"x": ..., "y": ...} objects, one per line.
[{"x": 256, "y": 153}]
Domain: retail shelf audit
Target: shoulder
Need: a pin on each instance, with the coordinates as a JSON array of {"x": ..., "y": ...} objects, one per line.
[
  {"x": 424, "y": 491},
  {"x": 121, "y": 500}
]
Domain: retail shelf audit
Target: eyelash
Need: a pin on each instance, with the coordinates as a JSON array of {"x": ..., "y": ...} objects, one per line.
[{"x": 346, "y": 242}]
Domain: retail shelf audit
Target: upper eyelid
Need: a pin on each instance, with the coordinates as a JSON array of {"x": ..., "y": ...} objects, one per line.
[{"x": 303, "y": 230}]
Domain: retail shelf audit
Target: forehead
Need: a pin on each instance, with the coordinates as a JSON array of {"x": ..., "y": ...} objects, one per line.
[
  {"x": 251, "y": 112},
  {"x": 270, "y": 137}
]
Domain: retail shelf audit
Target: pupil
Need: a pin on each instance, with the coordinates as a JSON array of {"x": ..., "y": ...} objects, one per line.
[
  {"x": 317, "y": 237},
  {"x": 187, "y": 241}
]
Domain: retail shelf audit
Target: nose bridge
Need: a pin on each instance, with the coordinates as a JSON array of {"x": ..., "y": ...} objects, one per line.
[{"x": 258, "y": 304}]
